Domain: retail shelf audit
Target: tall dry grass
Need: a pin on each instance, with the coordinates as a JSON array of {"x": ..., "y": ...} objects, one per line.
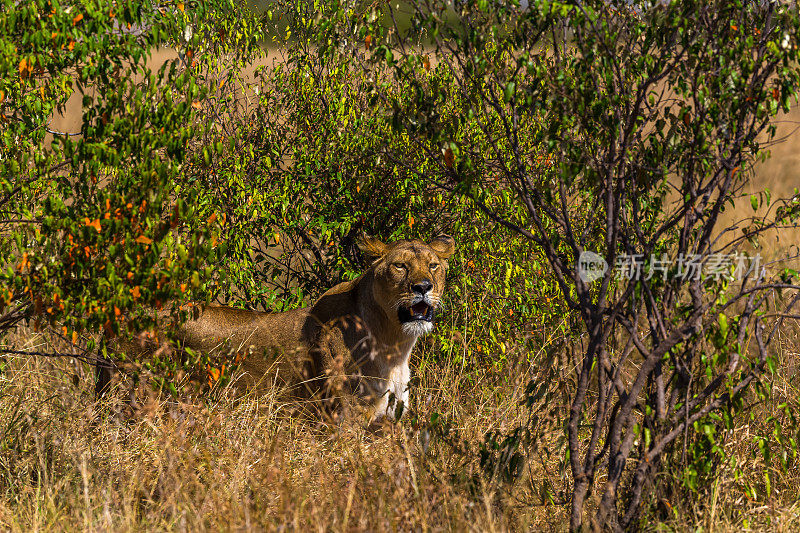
[{"x": 245, "y": 464}]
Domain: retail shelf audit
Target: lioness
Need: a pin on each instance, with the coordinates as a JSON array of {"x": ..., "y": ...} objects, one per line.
[{"x": 355, "y": 341}]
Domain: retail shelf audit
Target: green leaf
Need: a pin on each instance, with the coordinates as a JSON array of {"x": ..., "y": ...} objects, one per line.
[{"x": 508, "y": 93}]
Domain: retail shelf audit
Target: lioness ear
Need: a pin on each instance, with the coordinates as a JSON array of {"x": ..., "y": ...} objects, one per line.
[
  {"x": 371, "y": 247},
  {"x": 443, "y": 245}
]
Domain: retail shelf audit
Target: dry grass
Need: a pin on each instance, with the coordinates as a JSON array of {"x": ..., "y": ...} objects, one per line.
[
  {"x": 246, "y": 465},
  {"x": 243, "y": 464}
]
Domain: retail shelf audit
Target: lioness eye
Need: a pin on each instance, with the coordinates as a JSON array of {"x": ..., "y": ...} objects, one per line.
[
  {"x": 434, "y": 266},
  {"x": 399, "y": 266}
]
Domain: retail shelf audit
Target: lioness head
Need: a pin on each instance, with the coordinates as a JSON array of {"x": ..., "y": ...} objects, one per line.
[{"x": 409, "y": 279}]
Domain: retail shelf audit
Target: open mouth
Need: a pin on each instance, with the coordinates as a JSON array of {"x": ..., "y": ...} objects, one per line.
[{"x": 418, "y": 311}]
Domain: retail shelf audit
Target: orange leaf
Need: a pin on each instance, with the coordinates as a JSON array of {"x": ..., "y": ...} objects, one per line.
[
  {"x": 74, "y": 337},
  {"x": 25, "y": 69},
  {"x": 117, "y": 312},
  {"x": 24, "y": 263},
  {"x": 144, "y": 239},
  {"x": 94, "y": 223},
  {"x": 136, "y": 293},
  {"x": 71, "y": 45},
  {"x": 183, "y": 287},
  {"x": 180, "y": 6},
  {"x": 77, "y": 19},
  {"x": 212, "y": 218},
  {"x": 426, "y": 62},
  {"x": 776, "y": 94},
  {"x": 367, "y": 42},
  {"x": 197, "y": 105}
]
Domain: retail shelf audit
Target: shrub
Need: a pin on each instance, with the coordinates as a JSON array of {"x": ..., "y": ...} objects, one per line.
[
  {"x": 98, "y": 226},
  {"x": 652, "y": 116}
]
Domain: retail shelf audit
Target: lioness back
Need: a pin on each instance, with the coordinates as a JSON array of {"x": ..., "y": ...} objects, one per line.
[{"x": 272, "y": 345}]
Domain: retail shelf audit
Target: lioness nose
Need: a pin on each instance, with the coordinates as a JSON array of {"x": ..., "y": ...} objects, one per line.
[{"x": 422, "y": 287}]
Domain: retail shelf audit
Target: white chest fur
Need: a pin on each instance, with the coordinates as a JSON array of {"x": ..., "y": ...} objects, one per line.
[{"x": 389, "y": 383}]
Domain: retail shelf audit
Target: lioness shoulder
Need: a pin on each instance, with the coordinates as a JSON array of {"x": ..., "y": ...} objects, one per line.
[{"x": 354, "y": 342}]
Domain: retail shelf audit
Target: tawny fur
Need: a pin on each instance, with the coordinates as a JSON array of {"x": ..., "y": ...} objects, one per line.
[{"x": 351, "y": 344}]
